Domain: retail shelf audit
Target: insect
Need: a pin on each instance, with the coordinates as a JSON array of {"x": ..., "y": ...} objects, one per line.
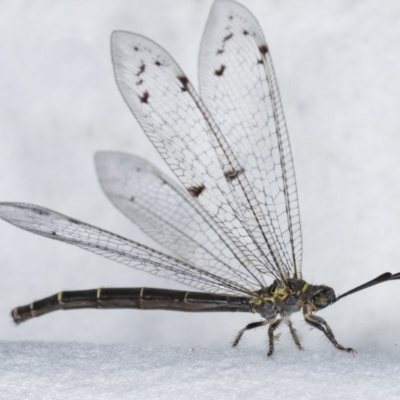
[{"x": 233, "y": 222}]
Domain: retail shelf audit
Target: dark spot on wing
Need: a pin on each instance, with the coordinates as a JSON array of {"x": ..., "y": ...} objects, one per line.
[
  {"x": 136, "y": 48},
  {"x": 263, "y": 49},
  {"x": 138, "y": 169},
  {"x": 73, "y": 221},
  {"x": 226, "y": 38},
  {"x": 132, "y": 199},
  {"x": 54, "y": 233},
  {"x": 185, "y": 82},
  {"x": 233, "y": 174},
  {"x": 41, "y": 212},
  {"x": 145, "y": 97},
  {"x": 260, "y": 61},
  {"x": 158, "y": 63},
  {"x": 220, "y": 71},
  {"x": 141, "y": 69},
  {"x": 231, "y": 17},
  {"x": 196, "y": 191},
  {"x": 220, "y": 51},
  {"x": 245, "y": 32},
  {"x": 139, "y": 82}
]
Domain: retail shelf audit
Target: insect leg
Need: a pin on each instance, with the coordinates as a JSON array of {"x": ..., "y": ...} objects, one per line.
[
  {"x": 253, "y": 325},
  {"x": 294, "y": 334},
  {"x": 322, "y": 325},
  {"x": 271, "y": 336}
]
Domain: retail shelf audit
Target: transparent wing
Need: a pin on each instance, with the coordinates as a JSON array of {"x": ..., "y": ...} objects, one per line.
[
  {"x": 181, "y": 128},
  {"x": 56, "y": 226},
  {"x": 169, "y": 214},
  {"x": 239, "y": 87}
]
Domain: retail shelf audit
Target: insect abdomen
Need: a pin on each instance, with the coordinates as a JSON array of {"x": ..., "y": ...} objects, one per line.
[{"x": 136, "y": 298}]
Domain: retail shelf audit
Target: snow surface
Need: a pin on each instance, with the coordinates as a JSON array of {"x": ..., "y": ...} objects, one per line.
[
  {"x": 33, "y": 370},
  {"x": 337, "y": 64}
]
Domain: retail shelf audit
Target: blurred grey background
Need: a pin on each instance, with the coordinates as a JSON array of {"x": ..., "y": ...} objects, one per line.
[{"x": 337, "y": 63}]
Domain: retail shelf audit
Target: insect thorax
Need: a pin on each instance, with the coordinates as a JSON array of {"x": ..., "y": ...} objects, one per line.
[{"x": 286, "y": 298}]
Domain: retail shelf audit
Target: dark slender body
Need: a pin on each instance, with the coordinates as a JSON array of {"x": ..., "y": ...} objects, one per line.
[
  {"x": 272, "y": 301},
  {"x": 275, "y": 303},
  {"x": 136, "y": 298}
]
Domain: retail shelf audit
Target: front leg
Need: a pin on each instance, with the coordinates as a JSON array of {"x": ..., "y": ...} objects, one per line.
[{"x": 322, "y": 325}]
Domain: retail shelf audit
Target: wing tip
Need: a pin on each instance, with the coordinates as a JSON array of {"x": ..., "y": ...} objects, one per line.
[{"x": 117, "y": 34}]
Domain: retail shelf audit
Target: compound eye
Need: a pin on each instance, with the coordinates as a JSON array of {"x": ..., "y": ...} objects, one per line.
[{"x": 321, "y": 299}]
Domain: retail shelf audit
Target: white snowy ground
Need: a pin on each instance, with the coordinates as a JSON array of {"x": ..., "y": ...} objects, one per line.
[
  {"x": 32, "y": 370},
  {"x": 337, "y": 63}
]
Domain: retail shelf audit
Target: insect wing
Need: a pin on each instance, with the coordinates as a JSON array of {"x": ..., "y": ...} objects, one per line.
[
  {"x": 168, "y": 213},
  {"x": 239, "y": 87},
  {"x": 53, "y": 225},
  {"x": 181, "y": 128}
]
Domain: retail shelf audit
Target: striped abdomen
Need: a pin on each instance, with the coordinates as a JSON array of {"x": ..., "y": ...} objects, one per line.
[{"x": 138, "y": 298}]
